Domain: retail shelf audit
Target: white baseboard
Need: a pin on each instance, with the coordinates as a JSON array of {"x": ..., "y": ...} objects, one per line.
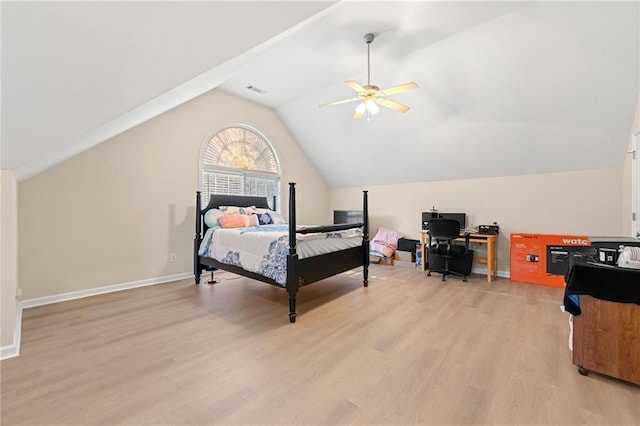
[
  {"x": 7, "y": 352},
  {"x": 63, "y": 297},
  {"x": 13, "y": 350},
  {"x": 483, "y": 271}
]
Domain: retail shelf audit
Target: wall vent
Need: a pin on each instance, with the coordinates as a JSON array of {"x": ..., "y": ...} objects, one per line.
[{"x": 256, "y": 89}]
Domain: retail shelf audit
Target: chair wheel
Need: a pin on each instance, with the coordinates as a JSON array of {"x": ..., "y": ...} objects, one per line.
[
  {"x": 464, "y": 279},
  {"x": 583, "y": 371},
  {"x": 429, "y": 273}
]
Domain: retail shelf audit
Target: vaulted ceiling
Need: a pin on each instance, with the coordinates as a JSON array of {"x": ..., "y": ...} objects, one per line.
[{"x": 505, "y": 88}]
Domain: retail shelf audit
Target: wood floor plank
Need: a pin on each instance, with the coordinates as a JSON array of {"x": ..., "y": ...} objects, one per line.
[{"x": 409, "y": 349}]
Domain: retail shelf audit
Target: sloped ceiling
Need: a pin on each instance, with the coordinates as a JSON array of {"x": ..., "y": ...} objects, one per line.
[
  {"x": 506, "y": 88},
  {"x": 77, "y": 73}
]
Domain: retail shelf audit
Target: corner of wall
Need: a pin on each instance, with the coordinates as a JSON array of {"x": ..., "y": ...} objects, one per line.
[
  {"x": 8, "y": 260},
  {"x": 13, "y": 350}
]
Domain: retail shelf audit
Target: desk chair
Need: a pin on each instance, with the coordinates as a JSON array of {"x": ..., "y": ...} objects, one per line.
[{"x": 441, "y": 247}]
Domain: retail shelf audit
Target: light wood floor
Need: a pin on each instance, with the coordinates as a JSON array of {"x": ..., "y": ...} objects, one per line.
[{"x": 407, "y": 350}]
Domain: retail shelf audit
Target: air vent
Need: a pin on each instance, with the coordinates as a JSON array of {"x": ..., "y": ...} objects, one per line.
[{"x": 256, "y": 89}]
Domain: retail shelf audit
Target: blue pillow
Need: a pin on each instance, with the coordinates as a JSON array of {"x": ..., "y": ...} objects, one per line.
[
  {"x": 264, "y": 219},
  {"x": 211, "y": 217}
]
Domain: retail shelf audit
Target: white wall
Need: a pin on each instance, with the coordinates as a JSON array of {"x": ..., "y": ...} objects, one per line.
[
  {"x": 578, "y": 203},
  {"x": 627, "y": 187},
  {"x": 115, "y": 213},
  {"x": 8, "y": 250}
]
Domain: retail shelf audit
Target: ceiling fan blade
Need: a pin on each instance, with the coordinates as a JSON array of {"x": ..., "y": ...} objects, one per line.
[
  {"x": 355, "y": 86},
  {"x": 359, "y": 112},
  {"x": 392, "y": 105},
  {"x": 400, "y": 88},
  {"x": 344, "y": 101}
]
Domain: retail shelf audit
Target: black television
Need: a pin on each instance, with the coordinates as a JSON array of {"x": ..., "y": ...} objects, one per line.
[
  {"x": 348, "y": 216},
  {"x": 460, "y": 217}
]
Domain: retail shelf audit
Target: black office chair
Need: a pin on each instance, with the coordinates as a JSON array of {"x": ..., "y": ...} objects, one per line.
[{"x": 444, "y": 254}]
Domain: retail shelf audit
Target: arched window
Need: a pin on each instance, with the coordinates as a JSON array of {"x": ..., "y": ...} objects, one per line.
[{"x": 239, "y": 160}]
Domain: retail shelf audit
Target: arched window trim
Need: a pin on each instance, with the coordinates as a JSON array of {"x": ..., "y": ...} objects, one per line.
[{"x": 251, "y": 173}]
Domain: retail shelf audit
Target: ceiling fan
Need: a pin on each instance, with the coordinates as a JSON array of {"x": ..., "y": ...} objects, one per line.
[{"x": 371, "y": 95}]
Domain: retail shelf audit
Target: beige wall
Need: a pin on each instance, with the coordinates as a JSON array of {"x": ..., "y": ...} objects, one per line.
[
  {"x": 579, "y": 203},
  {"x": 113, "y": 214},
  {"x": 8, "y": 246}
]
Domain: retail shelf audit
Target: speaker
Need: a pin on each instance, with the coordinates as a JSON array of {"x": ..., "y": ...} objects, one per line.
[
  {"x": 426, "y": 217},
  {"x": 489, "y": 229}
]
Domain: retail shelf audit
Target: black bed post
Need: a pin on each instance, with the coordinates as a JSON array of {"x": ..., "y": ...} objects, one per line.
[
  {"x": 365, "y": 237},
  {"x": 198, "y": 239},
  {"x": 292, "y": 257}
]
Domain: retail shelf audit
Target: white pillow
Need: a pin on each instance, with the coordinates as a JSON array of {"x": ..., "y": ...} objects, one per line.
[
  {"x": 237, "y": 210},
  {"x": 261, "y": 210},
  {"x": 211, "y": 217},
  {"x": 277, "y": 218}
]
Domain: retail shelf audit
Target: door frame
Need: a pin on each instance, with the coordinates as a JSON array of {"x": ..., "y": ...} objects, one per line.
[{"x": 635, "y": 184}]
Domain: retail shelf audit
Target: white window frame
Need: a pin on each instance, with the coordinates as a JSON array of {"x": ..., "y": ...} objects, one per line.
[{"x": 240, "y": 172}]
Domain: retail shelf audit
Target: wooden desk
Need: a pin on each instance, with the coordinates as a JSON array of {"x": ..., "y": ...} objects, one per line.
[{"x": 491, "y": 260}]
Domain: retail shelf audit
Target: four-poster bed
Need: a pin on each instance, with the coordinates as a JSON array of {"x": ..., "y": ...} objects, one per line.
[{"x": 300, "y": 271}]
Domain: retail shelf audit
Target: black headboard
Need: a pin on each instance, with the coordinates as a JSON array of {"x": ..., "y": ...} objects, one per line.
[{"x": 218, "y": 200}]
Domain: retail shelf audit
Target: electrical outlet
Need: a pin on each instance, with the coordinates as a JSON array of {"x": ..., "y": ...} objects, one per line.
[
  {"x": 19, "y": 294},
  {"x": 172, "y": 258}
]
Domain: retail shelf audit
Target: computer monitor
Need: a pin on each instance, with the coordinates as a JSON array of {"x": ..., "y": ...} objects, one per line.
[
  {"x": 348, "y": 216},
  {"x": 460, "y": 217},
  {"x": 426, "y": 217}
]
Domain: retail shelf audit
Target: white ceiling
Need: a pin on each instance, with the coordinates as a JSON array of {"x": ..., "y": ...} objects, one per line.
[{"x": 506, "y": 88}]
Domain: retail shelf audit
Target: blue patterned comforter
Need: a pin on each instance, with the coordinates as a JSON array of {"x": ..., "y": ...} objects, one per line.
[{"x": 263, "y": 249}]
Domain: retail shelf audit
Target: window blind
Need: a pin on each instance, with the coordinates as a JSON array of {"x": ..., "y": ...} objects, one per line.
[{"x": 214, "y": 182}]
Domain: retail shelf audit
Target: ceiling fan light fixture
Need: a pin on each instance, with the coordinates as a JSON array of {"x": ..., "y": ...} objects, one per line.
[
  {"x": 372, "y": 107},
  {"x": 366, "y": 108},
  {"x": 371, "y": 95}
]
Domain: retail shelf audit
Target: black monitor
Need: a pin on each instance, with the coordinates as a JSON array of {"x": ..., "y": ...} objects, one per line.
[
  {"x": 460, "y": 217},
  {"x": 348, "y": 216},
  {"x": 426, "y": 216}
]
